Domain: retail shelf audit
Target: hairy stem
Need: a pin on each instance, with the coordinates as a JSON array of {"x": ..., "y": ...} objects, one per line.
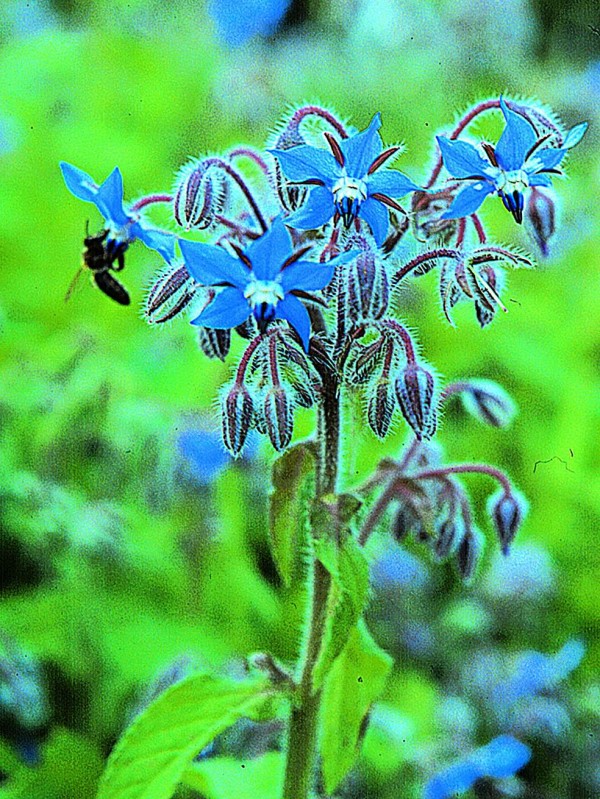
[{"x": 302, "y": 738}]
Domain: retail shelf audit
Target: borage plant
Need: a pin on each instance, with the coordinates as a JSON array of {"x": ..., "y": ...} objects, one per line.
[{"x": 302, "y": 263}]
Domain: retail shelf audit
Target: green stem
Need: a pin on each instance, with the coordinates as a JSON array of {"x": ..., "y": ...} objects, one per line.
[{"x": 302, "y": 739}]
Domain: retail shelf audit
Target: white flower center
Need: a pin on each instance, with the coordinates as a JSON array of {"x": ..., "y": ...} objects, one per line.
[
  {"x": 508, "y": 182},
  {"x": 349, "y": 189},
  {"x": 258, "y": 292}
]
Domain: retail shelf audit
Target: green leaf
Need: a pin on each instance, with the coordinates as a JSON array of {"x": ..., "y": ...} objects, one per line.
[
  {"x": 292, "y": 483},
  {"x": 150, "y": 758},
  {"x": 225, "y": 777},
  {"x": 347, "y": 597},
  {"x": 355, "y": 681}
]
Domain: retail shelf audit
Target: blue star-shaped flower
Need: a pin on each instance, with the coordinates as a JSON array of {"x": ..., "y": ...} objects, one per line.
[
  {"x": 348, "y": 181},
  {"x": 264, "y": 280},
  {"x": 501, "y": 758},
  {"x": 517, "y": 162},
  {"x": 123, "y": 227}
]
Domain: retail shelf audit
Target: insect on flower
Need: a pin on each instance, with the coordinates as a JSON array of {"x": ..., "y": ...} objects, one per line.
[
  {"x": 265, "y": 280},
  {"x": 122, "y": 227},
  {"x": 518, "y": 162},
  {"x": 349, "y": 182}
]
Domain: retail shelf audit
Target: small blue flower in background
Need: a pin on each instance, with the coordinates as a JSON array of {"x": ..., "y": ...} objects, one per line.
[
  {"x": 263, "y": 280},
  {"x": 123, "y": 227},
  {"x": 238, "y": 23},
  {"x": 205, "y": 455},
  {"x": 348, "y": 181},
  {"x": 516, "y": 163},
  {"x": 535, "y": 672},
  {"x": 501, "y": 758}
]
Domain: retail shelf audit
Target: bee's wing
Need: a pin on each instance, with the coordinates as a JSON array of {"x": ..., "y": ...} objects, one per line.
[{"x": 74, "y": 283}]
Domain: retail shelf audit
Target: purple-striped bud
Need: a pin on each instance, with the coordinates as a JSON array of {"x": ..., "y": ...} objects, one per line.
[
  {"x": 363, "y": 361},
  {"x": 488, "y": 402},
  {"x": 290, "y": 196},
  {"x": 171, "y": 292},
  {"x": 368, "y": 285},
  {"x": 507, "y": 512},
  {"x": 450, "y": 531},
  {"x": 214, "y": 343},
  {"x": 407, "y": 521},
  {"x": 469, "y": 554},
  {"x": 415, "y": 394},
  {"x": 380, "y": 406},
  {"x": 200, "y": 195},
  {"x": 237, "y": 417},
  {"x": 540, "y": 218},
  {"x": 279, "y": 417}
]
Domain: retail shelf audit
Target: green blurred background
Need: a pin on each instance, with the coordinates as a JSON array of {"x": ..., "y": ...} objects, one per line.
[{"x": 115, "y": 562}]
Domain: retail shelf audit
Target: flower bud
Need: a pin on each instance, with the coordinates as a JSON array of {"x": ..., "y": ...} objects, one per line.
[
  {"x": 291, "y": 196},
  {"x": 540, "y": 218},
  {"x": 214, "y": 343},
  {"x": 172, "y": 291},
  {"x": 279, "y": 417},
  {"x": 488, "y": 402},
  {"x": 449, "y": 532},
  {"x": 507, "y": 512},
  {"x": 237, "y": 418},
  {"x": 380, "y": 408},
  {"x": 469, "y": 553},
  {"x": 407, "y": 521},
  {"x": 414, "y": 391},
  {"x": 368, "y": 289},
  {"x": 200, "y": 194}
]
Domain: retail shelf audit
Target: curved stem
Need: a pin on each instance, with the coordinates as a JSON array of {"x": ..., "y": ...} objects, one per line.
[
  {"x": 150, "y": 199},
  {"x": 218, "y": 162},
  {"x": 316, "y": 110},
  {"x": 432, "y": 255},
  {"x": 467, "y": 468},
  {"x": 246, "y": 152}
]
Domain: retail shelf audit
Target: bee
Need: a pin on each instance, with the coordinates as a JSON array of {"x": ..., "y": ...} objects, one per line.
[{"x": 102, "y": 257}]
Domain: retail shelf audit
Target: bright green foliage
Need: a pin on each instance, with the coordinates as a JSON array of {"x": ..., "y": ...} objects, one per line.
[
  {"x": 293, "y": 474},
  {"x": 348, "y": 597},
  {"x": 150, "y": 759},
  {"x": 227, "y": 778},
  {"x": 355, "y": 681}
]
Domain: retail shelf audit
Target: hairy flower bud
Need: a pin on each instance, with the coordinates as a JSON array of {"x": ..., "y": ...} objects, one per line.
[
  {"x": 450, "y": 532},
  {"x": 414, "y": 390},
  {"x": 488, "y": 402},
  {"x": 171, "y": 292},
  {"x": 200, "y": 194},
  {"x": 380, "y": 407},
  {"x": 290, "y": 196},
  {"x": 214, "y": 343},
  {"x": 507, "y": 512},
  {"x": 237, "y": 417},
  {"x": 407, "y": 521},
  {"x": 540, "y": 218},
  {"x": 364, "y": 360},
  {"x": 368, "y": 285},
  {"x": 279, "y": 417},
  {"x": 469, "y": 553}
]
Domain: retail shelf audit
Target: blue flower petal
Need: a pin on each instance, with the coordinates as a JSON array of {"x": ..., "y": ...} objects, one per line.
[
  {"x": 453, "y": 780},
  {"x": 316, "y": 211},
  {"x": 307, "y": 276},
  {"x": 308, "y": 163},
  {"x": 296, "y": 314},
  {"x": 259, "y": 18},
  {"x": 376, "y": 215},
  {"x": 391, "y": 182},
  {"x": 461, "y": 159},
  {"x": 212, "y": 266},
  {"x": 362, "y": 149},
  {"x": 502, "y": 757},
  {"x": 468, "y": 200},
  {"x": 547, "y": 158},
  {"x": 268, "y": 253},
  {"x": 162, "y": 242},
  {"x": 79, "y": 182},
  {"x": 204, "y": 453},
  {"x": 568, "y": 658},
  {"x": 574, "y": 136},
  {"x": 228, "y": 309},
  {"x": 109, "y": 199},
  {"x": 538, "y": 179},
  {"x": 518, "y": 137}
]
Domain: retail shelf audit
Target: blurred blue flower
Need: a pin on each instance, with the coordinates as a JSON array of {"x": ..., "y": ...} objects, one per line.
[
  {"x": 348, "y": 182},
  {"x": 237, "y": 24},
  {"x": 528, "y": 573},
  {"x": 123, "y": 227},
  {"x": 204, "y": 453},
  {"x": 516, "y": 163},
  {"x": 535, "y": 672},
  {"x": 398, "y": 568},
  {"x": 501, "y": 758},
  {"x": 264, "y": 280}
]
